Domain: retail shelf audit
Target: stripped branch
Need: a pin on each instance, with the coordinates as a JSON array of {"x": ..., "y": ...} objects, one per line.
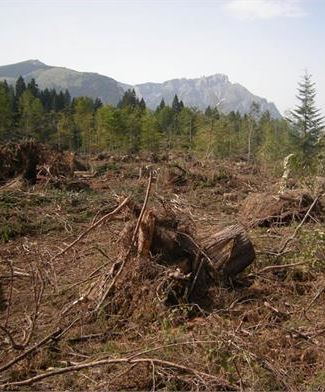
[
  {"x": 106, "y": 217},
  {"x": 158, "y": 362},
  {"x": 135, "y": 232}
]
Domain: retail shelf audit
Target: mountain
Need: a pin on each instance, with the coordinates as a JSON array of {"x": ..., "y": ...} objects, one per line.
[
  {"x": 215, "y": 90},
  {"x": 200, "y": 92},
  {"x": 78, "y": 83},
  {"x": 12, "y": 71}
]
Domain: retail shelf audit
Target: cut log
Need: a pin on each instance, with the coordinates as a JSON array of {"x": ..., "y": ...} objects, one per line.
[
  {"x": 265, "y": 210},
  {"x": 230, "y": 250}
]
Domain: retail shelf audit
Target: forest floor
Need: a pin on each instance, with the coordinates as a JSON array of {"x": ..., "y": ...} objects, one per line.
[{"x": 264, "y": 331}]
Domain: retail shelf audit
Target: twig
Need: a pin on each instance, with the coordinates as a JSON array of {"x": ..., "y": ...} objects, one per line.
[
  {"x": 187, "y": 343},
  {"x": 240, "y": 377},
  {"x": 83, "y": 338},
  {"x": 9, "y": 262},
  {"x": 157, "y": 362},
  {"x": 47, "y": 338},
  {"x": 135, "y": 232},
  {"x": 56, "y": 335},
  {"x": 92, "y": 275},
  {"x": 108, "y": 216},
  {"x": 198, "y": 270},
  {"x": 144, "y": 206},
  {"x": 38, "y": 289},
  {"x": 289, "y": 239},
  {"x": 318, "y": 294},
  {"x": 153, "y": 376},
  {"x": 14, "y": 345},
  {"x": 280, "y": 266}
]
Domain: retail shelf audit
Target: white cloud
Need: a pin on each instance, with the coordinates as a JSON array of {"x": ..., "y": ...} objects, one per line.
[{"x": 265, "y": 9}]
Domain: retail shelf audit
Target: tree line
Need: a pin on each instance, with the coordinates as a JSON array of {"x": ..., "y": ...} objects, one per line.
[{"x": 86, "y": 125}]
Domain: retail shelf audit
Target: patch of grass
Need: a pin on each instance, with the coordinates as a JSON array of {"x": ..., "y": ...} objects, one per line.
[
  {"x": 317, "y": 383},
  {"x": 107, "y": 167}
]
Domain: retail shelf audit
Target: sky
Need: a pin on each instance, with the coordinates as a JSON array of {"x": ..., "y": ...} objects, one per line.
[{"x": 265, "y": 45}]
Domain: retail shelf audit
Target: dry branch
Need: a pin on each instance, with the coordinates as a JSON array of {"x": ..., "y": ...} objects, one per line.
[
  {"x": 37, "y": 345},
  {"x": 126, "y": 257},
  {"x": 291, "y": 238},
  {"x": 108, "y": 216},
  {"x": 158, "y": 362}
]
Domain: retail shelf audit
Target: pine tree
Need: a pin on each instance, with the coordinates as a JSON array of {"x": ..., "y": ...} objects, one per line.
[
  {"x": 20, "y": 87},
  {"x": 129, "y": 100},
  {"x": 176, "y": 106},
  {"x": 5, "y": 112},
  {"x": 161, "y": 105},
  {"x": 45, "y": 97},
  {"x": 67, "y": 98},
  {"x": 60, "y": 102},
  {"x": 142, "y": 105},
  {"x": 33, "y": 87},
  {"x": 209, "y": 112},
  {"x": 253, "y": 116},
  {"x": 98, "y": 104},
  {"x": 306, "y": 118}
]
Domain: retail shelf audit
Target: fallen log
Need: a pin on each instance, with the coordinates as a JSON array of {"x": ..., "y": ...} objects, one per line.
[{"x": 265, "y": 209}]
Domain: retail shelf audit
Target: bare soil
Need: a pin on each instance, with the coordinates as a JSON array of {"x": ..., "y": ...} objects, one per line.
[{"x": 63, "y": 328}]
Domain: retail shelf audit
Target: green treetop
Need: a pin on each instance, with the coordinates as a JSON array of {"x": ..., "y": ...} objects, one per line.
[{"x": 306, "y": 118}]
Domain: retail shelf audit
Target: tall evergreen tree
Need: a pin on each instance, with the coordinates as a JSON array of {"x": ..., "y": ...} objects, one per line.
[
  {"x": 98, "y": 104},
  {"x": 67, "y": 98},
  {"x": 60, "y": 102},
  {"x": 142, "y": 104},
  {"x": 209, "y": 112},
  {"x": 33, "y": 87},
  {"x": 129, "y": 100},
  {"x": 45, "y": 97},
  {"x": 176, "y": 105},
  {"x": 161, "y": 105},
  {"x": 5, "y": 112},
  {"x": 20, "y": 87},
  {"x": 306, "y": 118}
]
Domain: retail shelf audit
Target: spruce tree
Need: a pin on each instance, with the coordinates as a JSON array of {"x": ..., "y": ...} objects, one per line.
[
  {"x": 129, "y": 100},
  {"x": 60, "y": 102},
  {"x": 161, "y": 105},
  {"x": 20, "y": 87},
  {"x": 142, "y": 105},
  {"x": 306, "y": 118},
  {"x": 5, "y": 112},
  {"x": 176, "y": 106},
  {"x": 67, "y": 98},
  {"x": 45, "y": 97},
  {"x": 33, "y": 87},
  {"x": 98, "y": 104}
]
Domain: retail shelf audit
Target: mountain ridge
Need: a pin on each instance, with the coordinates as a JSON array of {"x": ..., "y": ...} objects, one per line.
[{"x": 213, "y": 90}]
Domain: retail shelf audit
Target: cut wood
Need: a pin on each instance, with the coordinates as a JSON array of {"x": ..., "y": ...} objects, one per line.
[
  {"x": 230, "y": 249},
  {"x": 265, "y": 209}
]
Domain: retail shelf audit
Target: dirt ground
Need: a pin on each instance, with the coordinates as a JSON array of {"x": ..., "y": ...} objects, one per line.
[{"x": 70, "y": 322}]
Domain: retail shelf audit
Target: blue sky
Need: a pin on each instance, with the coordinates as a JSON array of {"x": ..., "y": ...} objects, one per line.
[{"x": 263, "y": 44}]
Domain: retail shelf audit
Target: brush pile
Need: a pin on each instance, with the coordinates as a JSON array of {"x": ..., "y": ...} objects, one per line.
[{"x": 33, "y": 161}]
